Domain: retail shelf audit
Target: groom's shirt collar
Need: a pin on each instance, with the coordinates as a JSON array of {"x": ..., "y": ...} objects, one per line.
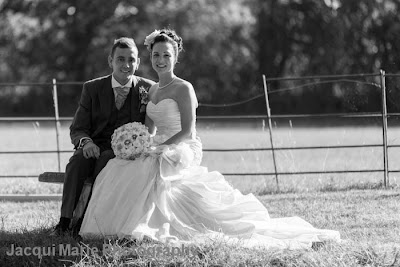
[{"x": 115, "y": 83}]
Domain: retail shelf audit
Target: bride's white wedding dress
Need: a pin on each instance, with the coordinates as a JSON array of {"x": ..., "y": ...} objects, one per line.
[{"x": 170, "y": 198}]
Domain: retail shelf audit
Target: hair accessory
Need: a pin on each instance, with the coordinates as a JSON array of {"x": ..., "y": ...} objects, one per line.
[{"x": 149, "y": 40}]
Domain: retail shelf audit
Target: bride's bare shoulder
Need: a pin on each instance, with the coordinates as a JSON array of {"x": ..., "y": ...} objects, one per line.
[
  {"x": 183, "y": 85},
  {"x": 184, "y": 91}
]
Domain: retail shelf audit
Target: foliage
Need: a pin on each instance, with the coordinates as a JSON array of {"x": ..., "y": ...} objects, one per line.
[{"x": 228, "y": 46}]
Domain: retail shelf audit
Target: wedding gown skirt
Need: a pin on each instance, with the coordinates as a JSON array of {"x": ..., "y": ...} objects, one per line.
[{"x": 170, "y": 198}]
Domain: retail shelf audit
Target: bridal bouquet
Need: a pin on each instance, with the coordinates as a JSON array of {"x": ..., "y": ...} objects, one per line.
[{"x": 130, "y": 141}]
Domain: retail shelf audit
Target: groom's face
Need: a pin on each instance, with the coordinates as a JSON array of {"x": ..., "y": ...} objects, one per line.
[{"x": 124, "y": 63}]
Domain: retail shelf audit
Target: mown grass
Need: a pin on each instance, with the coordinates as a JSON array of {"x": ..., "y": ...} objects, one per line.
[
  {"x": 355, "y": 204},
  {"x": 368, "y": 221}
]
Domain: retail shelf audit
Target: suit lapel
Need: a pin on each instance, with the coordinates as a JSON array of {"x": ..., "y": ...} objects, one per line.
[
  {"x": 106, "y": 98},
  {"x": 134, "y": 98}
]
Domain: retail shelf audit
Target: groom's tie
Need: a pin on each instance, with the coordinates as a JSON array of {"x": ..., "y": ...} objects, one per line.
[{"x": 122, "y": 92}]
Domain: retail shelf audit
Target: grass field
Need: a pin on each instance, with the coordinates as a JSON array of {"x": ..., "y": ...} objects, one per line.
[
  {"x": 368, "y": 221},
  {"x": 35, "y": 136},
  {"x": 367, "y": 216}
]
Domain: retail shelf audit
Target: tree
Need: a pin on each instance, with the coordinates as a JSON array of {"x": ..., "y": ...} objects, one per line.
[{"x": 228, "y": 46}]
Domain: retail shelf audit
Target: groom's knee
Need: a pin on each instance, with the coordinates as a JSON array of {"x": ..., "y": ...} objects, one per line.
[
  {"x": 79, "y": 166},
  {"x": 101, "y": 162},
  {"x": 77, "y": 156}
]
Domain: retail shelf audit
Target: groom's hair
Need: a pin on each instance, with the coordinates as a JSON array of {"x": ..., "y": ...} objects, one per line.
[{"x": 124, "y": 42}]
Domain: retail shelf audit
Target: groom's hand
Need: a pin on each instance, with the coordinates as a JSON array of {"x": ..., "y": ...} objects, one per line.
[{"x": 91, "y": 150}]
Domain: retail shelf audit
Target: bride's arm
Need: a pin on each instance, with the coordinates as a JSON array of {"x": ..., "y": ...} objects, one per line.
[
  {"x": 149, "y": 122},
  {"x": 150, "y": 125},
  {"x": 187, "y": 104}
]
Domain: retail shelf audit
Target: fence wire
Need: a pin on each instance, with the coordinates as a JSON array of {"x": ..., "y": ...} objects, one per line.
[{"x": 331, "y": 79}]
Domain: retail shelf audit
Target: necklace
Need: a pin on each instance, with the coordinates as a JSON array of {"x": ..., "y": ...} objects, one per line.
[{"x": 162, "y": 87}]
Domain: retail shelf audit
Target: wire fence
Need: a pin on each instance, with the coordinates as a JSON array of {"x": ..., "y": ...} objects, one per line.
[{"x": 327, "y": 79}]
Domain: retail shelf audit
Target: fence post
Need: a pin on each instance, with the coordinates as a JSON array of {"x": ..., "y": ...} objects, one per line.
[
  {"x": 270, "y": 130},
  {"x": 384, "y": 128},
  {"x": 57, "y": 122}
]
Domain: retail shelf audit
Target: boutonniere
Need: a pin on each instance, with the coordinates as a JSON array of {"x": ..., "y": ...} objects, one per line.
[
  {"x": 144, "y": 98},
  {"x": 143, "y": 95}
]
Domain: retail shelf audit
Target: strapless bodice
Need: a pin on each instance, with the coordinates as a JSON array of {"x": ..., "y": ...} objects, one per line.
[{"x": 166, "y": 116}]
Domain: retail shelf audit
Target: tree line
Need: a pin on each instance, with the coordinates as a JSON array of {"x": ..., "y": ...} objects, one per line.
[{"x": 228, "y": 46}]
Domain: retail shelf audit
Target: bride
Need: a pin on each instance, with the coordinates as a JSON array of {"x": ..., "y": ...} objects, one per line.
[{"x": 168, "y": 197}]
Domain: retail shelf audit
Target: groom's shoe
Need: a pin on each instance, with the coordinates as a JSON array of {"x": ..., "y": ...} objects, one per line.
[
  {"x": 77, "y": 238},
  {"x": 76, "y": 228},
  {"x": 62, "y": 228}
]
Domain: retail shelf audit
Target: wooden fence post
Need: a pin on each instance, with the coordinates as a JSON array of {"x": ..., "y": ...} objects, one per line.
[
  {"x": 384, "y": 130},
  {"x": 57, "y": 122},
  {"x": 270, "y": 130}
]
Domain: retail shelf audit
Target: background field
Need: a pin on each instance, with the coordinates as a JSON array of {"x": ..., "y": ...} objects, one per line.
[
  {"x": 20, "y": 136},
  {"x": 367, "y": 219}
]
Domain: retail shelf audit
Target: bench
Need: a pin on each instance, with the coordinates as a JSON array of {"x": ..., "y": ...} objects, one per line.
[
  {"x": 52, "y": 177},
  {"x": 58, "y": 177}
]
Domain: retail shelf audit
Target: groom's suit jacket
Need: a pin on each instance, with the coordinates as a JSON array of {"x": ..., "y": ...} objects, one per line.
[{"x": 96, "y": 103}]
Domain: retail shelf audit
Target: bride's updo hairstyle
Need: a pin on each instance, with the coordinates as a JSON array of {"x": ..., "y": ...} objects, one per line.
[{"x": 162, "y": 36}]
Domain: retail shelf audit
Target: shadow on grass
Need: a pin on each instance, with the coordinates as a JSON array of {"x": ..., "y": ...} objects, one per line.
[
  {"x": 65, "y": 251},
  {"x": 38, "y": 248}
]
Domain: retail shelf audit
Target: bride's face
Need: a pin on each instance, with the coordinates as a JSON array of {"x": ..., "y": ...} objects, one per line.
[{"x": 163, "y": 57}]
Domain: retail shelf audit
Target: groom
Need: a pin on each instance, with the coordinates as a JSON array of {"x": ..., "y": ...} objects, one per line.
[{"x": 106, "y": 103}]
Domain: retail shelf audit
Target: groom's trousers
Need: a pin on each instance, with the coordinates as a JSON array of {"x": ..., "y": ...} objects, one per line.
[{"x": 78, "y": 170}]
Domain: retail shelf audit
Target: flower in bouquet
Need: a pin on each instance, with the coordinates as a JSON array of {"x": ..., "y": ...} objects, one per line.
[{"x": 131, "y": 140}]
